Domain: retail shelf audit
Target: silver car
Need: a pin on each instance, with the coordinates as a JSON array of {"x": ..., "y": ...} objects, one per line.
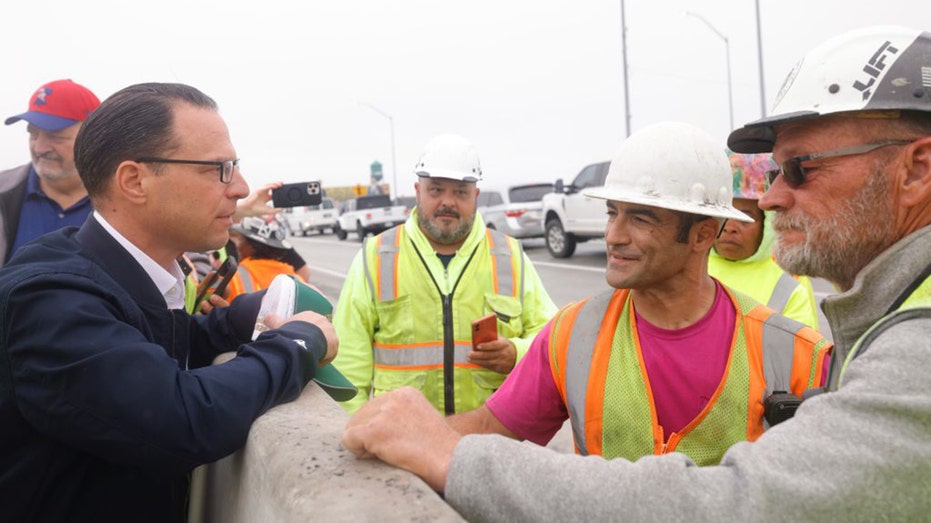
[{"x": 517, "y": 212}]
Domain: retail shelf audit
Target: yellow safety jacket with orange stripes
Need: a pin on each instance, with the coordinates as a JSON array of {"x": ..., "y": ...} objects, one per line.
[
  {"x": 607, "y": 392},
  {"x": 404, "y": 319}
]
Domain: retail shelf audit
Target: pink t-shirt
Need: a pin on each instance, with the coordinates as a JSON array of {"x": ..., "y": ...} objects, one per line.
[{"x": 684, "y": 366}]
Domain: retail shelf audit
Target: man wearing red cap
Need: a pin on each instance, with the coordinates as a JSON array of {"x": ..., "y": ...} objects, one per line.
[{"x": 46, "y": 194}]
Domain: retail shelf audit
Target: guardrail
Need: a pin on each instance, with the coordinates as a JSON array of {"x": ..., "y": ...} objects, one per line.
[{"x": 294, "y": 468}]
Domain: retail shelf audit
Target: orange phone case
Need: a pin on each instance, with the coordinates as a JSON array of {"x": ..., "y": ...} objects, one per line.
[{"x": 484, "y": 329}]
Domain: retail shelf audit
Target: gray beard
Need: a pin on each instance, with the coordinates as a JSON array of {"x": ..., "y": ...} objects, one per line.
[
  {"x": 838, "y": 247},
  {"x": 56, "y": 175},
  {"x": 453, "y": 237}
]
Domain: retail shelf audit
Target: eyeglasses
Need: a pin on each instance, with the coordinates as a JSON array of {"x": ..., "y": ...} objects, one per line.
[
  {"x": 795, "y": 174},
  {"x": 226, "y": 167}
]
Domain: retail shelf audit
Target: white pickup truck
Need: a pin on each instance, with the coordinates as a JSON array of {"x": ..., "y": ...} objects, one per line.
[
  {"x": 369, "y": 215},
  {"x": 320, "y": 218},
  {"x": 570, "y": 217}
]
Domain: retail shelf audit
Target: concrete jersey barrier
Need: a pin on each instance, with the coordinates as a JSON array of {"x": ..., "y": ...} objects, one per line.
[{"x": 294, "y": 468}]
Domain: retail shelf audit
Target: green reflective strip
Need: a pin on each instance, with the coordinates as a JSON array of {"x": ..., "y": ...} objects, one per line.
[
  {"x": 581, "y": 349},
  {"x": 782, "y": 292},
  {"x": 420, "y": 355}
]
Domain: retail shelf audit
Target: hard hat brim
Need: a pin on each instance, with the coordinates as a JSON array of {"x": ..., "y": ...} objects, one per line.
[
  {"x": 760, "y": 136},
  {"x": 447, "y": 174},
  {"x": 704, "y": 209},
  {"x": 271, "y": 242}
]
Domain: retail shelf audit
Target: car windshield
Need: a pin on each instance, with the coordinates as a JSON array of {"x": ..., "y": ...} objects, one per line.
[
  {"x": 529, "y": 193},
  {"x": 373, "y": 202}
]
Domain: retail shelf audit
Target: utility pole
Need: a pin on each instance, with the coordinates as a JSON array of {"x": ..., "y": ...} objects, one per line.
[
  {"x": 394, "y": 166},
  {"x": 759, "y": 57},
  {"x": 624, "y": 59}
]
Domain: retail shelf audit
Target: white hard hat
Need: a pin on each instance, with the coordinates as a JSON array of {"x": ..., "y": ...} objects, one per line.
[
  {"x": 674, "y": 166},
  {"x": 871, "y": 69},
  {"x": 449, "y": 156}
]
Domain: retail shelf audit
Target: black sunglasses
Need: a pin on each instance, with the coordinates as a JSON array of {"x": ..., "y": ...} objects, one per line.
[{"x": 795, "y": 174}]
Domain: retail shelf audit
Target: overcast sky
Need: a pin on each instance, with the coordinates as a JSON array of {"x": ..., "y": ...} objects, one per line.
[{"x": 536, "y": 85}]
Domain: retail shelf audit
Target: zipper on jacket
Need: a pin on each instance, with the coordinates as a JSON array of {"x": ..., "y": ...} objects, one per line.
[
  {"x": 449, "y": 356},
  {"x": 449, "y": 339}
]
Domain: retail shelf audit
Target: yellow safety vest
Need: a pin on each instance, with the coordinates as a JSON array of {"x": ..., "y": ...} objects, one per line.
[
  {"x": 423, "y": 336},
  {"x": 918, "y": 304},
  {"x": 766, "y": 282},
  {"x": 596, "y": 358}
]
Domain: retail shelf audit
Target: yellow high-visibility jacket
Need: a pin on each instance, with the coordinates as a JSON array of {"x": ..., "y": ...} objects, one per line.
[{"x": 403, "y": 319}]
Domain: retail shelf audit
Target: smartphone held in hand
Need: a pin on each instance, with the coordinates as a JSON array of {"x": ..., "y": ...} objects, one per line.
[
  {"x": 209, "y": 286},
  {"x": 484, "y": 329},
  {"x": 299, "y": 194}
]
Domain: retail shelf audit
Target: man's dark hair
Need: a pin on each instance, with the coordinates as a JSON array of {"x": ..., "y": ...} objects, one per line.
[
  {"x": 686, "y": 221},
  {"x": 134, "y": 122}
]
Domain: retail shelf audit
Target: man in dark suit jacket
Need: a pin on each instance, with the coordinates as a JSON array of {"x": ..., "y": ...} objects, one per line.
[{"x": 107, "y": 395}]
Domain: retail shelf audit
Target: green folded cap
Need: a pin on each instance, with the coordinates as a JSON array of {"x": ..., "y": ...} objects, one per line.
[
  {"x": 306, "y": 298},
  {"x": 334, "y": 383}
]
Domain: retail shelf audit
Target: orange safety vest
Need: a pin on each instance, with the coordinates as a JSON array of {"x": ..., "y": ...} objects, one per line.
[
  {"x": 597, "y": 365},
  {"x": 255, "y": 274}
]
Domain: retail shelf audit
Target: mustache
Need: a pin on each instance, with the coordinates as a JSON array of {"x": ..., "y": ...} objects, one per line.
[
  {"x": 49, "y": 156},
  {"x": 445, "y": 211},
  {"x": 785, "y": 222},
  {"x": 618, "y": 251}
]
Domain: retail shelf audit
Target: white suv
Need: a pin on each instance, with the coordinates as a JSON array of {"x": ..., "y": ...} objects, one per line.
[
  {"x": 569, "y": 217},
  {"x": 516, "y": 212}
]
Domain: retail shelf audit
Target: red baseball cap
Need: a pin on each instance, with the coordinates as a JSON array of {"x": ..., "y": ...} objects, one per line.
[{"x": 57, "y": 105}]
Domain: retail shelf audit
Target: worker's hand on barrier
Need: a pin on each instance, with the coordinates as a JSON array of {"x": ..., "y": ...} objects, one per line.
[
  {"x": 498, "y": 355},
  {"x": 273, "y": 321},
  {"x": 403, "y": 429}
]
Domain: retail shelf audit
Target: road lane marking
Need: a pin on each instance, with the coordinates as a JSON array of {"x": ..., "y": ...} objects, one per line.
[
  {"x": 328, "y": 272},
  {"x": 567, "y": 266}
]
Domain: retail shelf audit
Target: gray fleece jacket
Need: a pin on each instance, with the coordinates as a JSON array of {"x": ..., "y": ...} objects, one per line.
[{"x": 861, "y": 453}]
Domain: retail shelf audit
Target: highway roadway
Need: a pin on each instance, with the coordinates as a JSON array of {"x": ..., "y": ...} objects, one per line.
[{"x": 566, "y": 280}]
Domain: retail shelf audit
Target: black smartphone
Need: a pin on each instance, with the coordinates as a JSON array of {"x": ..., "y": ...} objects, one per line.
[
  {"x": 297, "y": 194},
  {"x": 208, "y": 286}
]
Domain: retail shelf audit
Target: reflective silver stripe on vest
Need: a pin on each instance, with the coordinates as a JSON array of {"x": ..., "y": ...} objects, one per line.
[
  {"x": 419, "y": 355},
  {"x": 247, "y": 285},
  {"x": 386, "y": 254},
  {"x": 505, "y": 275},
  {"x": 778, "y": 353},
  {"x": 782, "y": 292},
  {"x": 388, "y": 249},
  {"x": 579, "y": 362}
]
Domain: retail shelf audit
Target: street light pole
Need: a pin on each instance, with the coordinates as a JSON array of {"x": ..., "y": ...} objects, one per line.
[
  {"x": 624, "y": 59},
  {"x": 394, "y": 165},
  {"x": 727, "y": 49},
  {"x": 759, "y": 56}
]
